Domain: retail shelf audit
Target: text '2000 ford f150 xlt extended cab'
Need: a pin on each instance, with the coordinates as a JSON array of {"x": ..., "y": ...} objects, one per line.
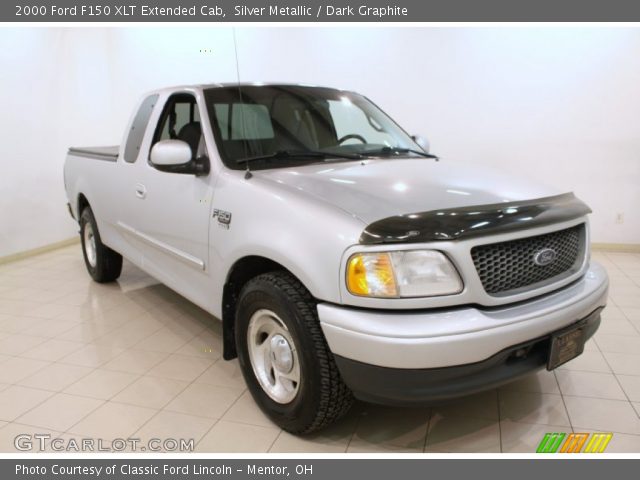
[{"x": 341, "y": 256}]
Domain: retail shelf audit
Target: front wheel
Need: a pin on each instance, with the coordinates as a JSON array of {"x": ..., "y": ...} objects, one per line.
[
  {"x": 284, "y": 356},
  {"x": 103, "y": 264}
]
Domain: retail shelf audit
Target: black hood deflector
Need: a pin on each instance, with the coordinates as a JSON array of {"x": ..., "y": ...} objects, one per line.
[{"x": 474, "y": 221}]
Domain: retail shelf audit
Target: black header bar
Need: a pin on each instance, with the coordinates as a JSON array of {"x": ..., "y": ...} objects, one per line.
[
  {"x": 313, "y": 468},
  {"x": 219, "y": 11}
]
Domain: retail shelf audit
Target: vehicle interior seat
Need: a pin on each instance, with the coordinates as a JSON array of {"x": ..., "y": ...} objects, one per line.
[{"x": 192, "y": 134}]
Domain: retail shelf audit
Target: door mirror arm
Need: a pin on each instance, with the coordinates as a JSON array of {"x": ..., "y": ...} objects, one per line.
[{"x": 199, "y": 167}]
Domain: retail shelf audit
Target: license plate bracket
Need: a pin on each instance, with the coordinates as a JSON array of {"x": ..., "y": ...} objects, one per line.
[{"x": 565, "y": 346}]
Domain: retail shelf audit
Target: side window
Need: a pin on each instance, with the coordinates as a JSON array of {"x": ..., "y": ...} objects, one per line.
[
  {"x": 180, "y": 120},
  {"x": 138, "y": 127}
]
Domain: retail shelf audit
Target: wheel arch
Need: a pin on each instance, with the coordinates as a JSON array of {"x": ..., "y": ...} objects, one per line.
[
  {"x": 242, "y": 271},
  {"x": 81, "y": 204}
]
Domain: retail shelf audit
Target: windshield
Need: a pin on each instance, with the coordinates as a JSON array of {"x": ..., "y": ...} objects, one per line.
[{"x": 262, "y": 122}]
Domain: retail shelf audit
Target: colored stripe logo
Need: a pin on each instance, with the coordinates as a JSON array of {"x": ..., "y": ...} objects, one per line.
[
  {"x": 598, "y": 442},
  {"x": 574, "y": 443}
]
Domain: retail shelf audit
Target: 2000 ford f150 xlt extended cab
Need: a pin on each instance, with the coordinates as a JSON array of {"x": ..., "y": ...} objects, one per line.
[{"x": 341, "y": 256}]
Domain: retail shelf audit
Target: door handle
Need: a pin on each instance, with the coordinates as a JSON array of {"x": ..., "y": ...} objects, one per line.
[{"x": 141, "y": 190}]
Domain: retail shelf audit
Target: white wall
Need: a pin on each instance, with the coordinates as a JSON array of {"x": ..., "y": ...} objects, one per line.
[
  {"x": 47, "y": 99},
  {"x": 561, "y": 105},
  {"x": 76, "y": 87}
]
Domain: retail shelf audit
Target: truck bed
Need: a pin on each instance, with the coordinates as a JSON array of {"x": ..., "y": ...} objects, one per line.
[{"x": 109, "y": 154}]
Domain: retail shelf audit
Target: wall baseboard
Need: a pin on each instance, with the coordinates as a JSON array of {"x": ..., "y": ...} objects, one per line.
[
  {"x": 617, "y": 247},
  {"x": 611, "y": 247},
  {"x": 37, "y": 251}
]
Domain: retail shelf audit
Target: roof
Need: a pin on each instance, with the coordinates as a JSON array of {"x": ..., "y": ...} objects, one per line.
[{"x": 240, "y": 84}]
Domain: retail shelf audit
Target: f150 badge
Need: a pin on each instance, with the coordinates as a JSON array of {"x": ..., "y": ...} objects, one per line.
[{"x": 224, "y": 218}]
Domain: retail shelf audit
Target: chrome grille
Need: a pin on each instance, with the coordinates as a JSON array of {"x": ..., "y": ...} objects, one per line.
[{"x": 507, "y": 267}]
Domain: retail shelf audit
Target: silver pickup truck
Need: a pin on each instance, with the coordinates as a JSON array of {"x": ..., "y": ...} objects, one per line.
[{"x": 343, "y": 259}]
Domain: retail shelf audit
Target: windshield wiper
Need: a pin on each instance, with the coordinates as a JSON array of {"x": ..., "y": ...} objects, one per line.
[
  {"x": 286, "y": 154},
  {"x": 398, "y": 150}
]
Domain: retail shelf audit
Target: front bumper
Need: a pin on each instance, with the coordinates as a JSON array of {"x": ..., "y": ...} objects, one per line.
[{"x": 411, "y": 357}]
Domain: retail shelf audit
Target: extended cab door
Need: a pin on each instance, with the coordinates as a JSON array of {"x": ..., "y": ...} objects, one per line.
[{"x": 172, "y": 210}]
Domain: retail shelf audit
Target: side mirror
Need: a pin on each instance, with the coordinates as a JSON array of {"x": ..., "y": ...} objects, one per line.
[
  {"x": 422, "y": 142},
  {"x": 175, "y": 156}
]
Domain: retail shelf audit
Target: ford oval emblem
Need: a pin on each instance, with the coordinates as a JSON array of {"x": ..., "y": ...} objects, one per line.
[{"x": 545, "y": 257}]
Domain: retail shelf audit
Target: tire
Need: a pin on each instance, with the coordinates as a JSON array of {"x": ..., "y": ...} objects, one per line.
[
  {"x": 103, "y": 264},
  {"x": 320, "y": 397}
]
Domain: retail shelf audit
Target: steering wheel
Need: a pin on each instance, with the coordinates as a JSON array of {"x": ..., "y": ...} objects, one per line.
[{"x": 352, "y": 136}]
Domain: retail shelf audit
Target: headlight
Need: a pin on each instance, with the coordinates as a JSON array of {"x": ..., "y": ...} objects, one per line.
[{"x": 416, "y": 273}]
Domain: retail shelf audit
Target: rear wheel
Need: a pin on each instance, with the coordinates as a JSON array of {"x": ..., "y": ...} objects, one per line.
[
  {"x": 284, "y": 356},
  {"x": 103, "y": 264}
]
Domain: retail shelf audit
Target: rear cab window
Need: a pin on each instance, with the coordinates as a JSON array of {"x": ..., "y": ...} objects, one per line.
[{"x": 138, "y": 128}]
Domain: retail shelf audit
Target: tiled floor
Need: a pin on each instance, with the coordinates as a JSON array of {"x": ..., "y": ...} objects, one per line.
[{"x": 132, "y": 358}]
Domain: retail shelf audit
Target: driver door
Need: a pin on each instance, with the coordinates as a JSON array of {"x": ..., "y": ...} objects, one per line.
[{"x": 175, "y": 208}]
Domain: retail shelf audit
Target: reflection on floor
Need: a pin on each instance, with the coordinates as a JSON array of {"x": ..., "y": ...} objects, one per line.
[{"x": 134, "y": 359}]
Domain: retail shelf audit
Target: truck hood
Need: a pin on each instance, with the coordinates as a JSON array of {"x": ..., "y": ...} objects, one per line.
[{"x": 375, "y": 189}]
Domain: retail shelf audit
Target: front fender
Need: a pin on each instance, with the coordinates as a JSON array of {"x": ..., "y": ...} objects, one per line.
[{"x": 302, "y": 233}]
